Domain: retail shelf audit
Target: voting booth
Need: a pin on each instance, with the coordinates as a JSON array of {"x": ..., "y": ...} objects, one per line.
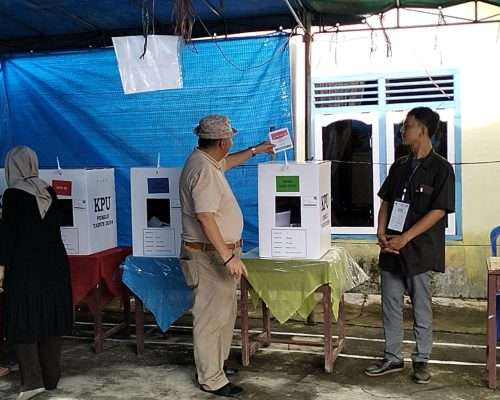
[
  {"x": 156, "y": 212},
  {"x": 88, "y": 202},
  {"x": 294, "y": 209}
]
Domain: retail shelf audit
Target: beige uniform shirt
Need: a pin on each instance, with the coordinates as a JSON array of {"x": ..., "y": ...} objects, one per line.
[{"x": 204, "y": 188}]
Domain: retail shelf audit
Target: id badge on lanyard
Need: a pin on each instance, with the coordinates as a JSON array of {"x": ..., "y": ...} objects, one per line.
[
  {"x": 398, "y": 216},
  {"x": 401, "y": 208}
]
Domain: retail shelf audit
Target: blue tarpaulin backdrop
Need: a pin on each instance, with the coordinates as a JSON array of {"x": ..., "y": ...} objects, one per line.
[{"x": 71, "y": 105}]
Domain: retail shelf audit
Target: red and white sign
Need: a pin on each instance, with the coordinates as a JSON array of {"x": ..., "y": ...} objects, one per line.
[
  {"x": 62, "y": 188},
  {"x": 281, "y": 140}
]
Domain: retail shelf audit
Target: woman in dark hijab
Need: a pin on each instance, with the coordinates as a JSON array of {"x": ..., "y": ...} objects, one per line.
[{"x": 38, "y": 304}]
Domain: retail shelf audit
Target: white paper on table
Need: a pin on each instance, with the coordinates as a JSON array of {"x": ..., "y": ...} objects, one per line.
[{"x": 281, "y": 140}]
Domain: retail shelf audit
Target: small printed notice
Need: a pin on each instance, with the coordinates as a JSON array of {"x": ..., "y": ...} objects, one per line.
[
  {"x": 289, "y": 243},
  {"x": 310, "y": 201},
  {"x": 159, "y": 242},
  {"x": 281, "y": 140},
  {"x": 70, "y": 240},
  {"x": 175, "y": 203}
]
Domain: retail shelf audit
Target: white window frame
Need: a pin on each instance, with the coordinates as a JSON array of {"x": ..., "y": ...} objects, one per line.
[
  {"x": 370, "y": 118},
  {"x": 446, "y": 115}
]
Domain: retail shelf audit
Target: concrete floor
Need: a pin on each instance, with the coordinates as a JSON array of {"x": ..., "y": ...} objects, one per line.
[{"x": 166, "y": 369}]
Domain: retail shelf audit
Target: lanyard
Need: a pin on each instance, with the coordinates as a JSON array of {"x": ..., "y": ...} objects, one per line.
[{"x": 405, "y": 189}]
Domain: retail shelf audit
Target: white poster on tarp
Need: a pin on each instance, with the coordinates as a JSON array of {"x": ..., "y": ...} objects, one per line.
[{"x": 159, "y": 68}]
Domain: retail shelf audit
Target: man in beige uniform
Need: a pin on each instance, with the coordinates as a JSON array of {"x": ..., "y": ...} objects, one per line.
[{"x": 212, "y": 225}]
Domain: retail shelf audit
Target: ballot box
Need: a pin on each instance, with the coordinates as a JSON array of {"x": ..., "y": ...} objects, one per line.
[
  {"x": 156, "y": 212},
  {"x": 88, "y": 202},
  {"x": 294, "y": 209}
]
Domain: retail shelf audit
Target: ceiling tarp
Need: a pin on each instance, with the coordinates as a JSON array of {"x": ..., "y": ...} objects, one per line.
[
  {"x": 64, "y": 24},
  {"x": 364, "y": 7}
]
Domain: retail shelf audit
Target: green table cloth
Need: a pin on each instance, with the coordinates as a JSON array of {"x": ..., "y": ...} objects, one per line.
[{"x": 287, "y": 286}]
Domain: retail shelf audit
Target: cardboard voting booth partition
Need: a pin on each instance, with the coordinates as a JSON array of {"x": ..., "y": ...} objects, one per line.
[
  {"x": 88, "y": 201},
  {"x": 156, "y": 212},
  {"x": 294, "y": 209}
]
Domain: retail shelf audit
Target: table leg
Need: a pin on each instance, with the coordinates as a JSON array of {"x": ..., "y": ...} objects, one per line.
[
  {"x": 98, "y": 334},
  {"x": 491, "y": 349},
  {"x": 126, "y": 313},
  {"x": 340, "y": 342},
  {"x": 139, "y": 325},
  {"x": 327, "y": 327},
  {"x": 266, "y": 321},
  {"x": 245, "y": 339}
]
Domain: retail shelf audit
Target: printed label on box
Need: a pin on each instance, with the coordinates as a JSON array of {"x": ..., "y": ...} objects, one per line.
[
  {"x": 287, "y": 184},
  {"x": 158, "y": 186},
  {"x": 70, "y": 239},
  {"x": 310, "y": 201},
  {"x": 159, "y": 242},
  {"x": 62, "y": 188},
  {"x": 291, "y": 243}
]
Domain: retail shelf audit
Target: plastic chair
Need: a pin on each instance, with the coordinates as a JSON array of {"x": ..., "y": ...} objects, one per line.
[{"x": 494, "y": 235}]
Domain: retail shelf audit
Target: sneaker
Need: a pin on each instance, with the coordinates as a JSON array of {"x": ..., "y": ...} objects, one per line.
[
  {"x": 29, "y": 394},
  {"x": 384, "y": 367},
  {"x": 228, "y": 390},
  {"x": 421, "y": 373}
]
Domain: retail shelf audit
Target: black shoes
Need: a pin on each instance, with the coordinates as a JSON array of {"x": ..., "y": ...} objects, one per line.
[
  {"x": 421, "y": 373},
  {"x": 384, "y": 367},
  {"x": 228, "y": 390}
]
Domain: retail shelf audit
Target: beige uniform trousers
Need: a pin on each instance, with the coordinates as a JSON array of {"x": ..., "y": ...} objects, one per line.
[{"x": 214, "y": 313}]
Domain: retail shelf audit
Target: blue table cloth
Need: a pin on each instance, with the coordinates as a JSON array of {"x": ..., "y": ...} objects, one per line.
[{"x": 160, "y": 284}]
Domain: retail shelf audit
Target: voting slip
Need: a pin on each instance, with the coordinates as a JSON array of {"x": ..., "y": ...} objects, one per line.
[
  {"x": 398, "y": 216},
  {"x": 281, "y": 140}
]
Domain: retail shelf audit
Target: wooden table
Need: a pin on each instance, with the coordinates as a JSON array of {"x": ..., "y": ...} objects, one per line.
[
  {"x": 491, "y": 346},
  {"x": 251, "y": 343},
  {"x": 157, "y": 284},
  {"x": 96, "y": 279}
]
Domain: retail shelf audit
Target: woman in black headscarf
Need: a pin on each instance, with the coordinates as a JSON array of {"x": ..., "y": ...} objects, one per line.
[{"x": 38, "y": 304}]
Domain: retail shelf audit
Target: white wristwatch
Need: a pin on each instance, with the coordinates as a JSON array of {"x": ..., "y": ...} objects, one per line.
[{"x": 254, "y": 151}]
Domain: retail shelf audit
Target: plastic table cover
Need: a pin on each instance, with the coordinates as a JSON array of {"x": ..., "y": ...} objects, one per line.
[
  {"x": 160, "y": 284},
  {"x": 287, "y": 286}
]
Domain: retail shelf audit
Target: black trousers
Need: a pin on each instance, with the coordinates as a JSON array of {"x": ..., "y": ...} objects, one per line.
[{"x": 40, "y": 363}]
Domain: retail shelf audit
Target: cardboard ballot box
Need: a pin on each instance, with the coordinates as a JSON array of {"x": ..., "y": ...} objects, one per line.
[
  {"x": 156, "y": 212},
  {"x": 88, "y": 201},
  {"x": 294, "y": 209}
]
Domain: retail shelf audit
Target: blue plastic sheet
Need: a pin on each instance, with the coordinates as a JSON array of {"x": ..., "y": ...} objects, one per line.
[
  {"x": 72, "y": 105},
  {"x": 160, "y": 284}
]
